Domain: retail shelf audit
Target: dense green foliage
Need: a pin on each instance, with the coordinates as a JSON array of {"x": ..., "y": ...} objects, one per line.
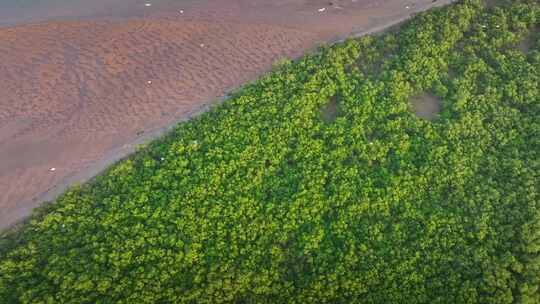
[{"x": 262, "y": 200}]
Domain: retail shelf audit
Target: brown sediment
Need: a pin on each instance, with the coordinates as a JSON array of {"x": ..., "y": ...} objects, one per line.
[
  {"x": 530, "y": 40},
  {"x": 77, "y": 95},
  {"x": 426, "y": 106},
  {"x": 492, "y": 3},
  {"x": 330, "y": 111}
]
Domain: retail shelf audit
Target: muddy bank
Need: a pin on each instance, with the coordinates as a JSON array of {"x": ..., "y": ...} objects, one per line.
[{"x": 78, "y": 94}]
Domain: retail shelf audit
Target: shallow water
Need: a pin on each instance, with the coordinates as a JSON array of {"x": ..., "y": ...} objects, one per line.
[{"x": 21, "y": 11}]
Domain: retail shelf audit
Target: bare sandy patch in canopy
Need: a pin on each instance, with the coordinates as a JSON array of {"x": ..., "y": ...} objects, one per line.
[{"x": 426, "y": 106}]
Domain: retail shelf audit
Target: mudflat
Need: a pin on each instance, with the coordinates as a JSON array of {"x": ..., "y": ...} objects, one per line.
[{"x": 78, "y": 92}]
